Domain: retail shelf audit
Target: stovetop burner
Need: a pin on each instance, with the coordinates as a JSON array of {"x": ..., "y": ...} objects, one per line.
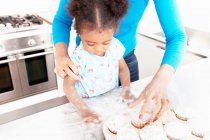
[{"x": 19, "y": 22}]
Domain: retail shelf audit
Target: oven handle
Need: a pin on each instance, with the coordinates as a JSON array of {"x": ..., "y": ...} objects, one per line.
[
  {"x": 8, "y": 60},
  {"x": 35, "y": 55}
]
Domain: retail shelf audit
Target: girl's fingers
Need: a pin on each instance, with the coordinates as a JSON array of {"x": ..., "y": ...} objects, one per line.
[{"x": 92, "y": 118}]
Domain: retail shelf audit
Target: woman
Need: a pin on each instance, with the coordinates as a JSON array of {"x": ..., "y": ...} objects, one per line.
[{"x": 170, "y": 21}]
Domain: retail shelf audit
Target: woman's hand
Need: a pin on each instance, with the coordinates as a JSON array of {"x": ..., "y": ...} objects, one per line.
[
  {"x": 156, "y": 91},
  {"x": 64, "y": 66}
]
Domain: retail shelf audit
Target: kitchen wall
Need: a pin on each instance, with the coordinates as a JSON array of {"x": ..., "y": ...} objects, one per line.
[
  {"x": 194, "y": 13},
  {"x": 27, "y": 6}
]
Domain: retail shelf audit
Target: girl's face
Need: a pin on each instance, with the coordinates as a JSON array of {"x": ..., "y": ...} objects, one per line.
[{"x": 97, "y": 42}]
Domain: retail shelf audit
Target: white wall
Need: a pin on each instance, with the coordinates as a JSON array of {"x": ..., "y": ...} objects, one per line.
[
  {"x": 8, "y": 7},
  {"x": 194, "y": 13}
]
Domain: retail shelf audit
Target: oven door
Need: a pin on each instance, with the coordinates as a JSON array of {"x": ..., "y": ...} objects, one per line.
[
  {"x": 10, "y": 86},
  {"x": 36, "y": 71}
]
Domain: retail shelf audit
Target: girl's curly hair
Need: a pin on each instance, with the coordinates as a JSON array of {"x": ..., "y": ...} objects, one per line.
[{"x": 97, "y": 14}]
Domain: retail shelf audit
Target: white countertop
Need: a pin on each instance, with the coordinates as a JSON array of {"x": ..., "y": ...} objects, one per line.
[{"x": 190, "y": 85}]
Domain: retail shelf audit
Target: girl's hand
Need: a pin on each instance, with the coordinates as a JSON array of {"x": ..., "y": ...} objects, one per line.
[
  {"x": 156, "y": 91},
  {"x": 64, "y": 66},
  {"x": 89, "y": 116},
  {"x": 126, "y": 96}
]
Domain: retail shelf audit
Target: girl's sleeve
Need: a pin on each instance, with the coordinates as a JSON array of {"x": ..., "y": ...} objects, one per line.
[
  {"x": 118, "y": 49},
  {"x": 78, "y": 57},
  {"x": 61, "y": 25},
  {"x": 171, "y": 24}
]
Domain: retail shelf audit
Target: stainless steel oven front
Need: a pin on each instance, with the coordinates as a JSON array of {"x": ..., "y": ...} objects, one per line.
[
  {"x": 10, "y": 86},
  {"x": 36, "y": 70},
  {"x": 26, "y": 66}
]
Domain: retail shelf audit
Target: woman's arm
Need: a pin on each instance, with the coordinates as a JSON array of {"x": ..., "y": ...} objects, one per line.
[
  {"x": 64, "y": 65},
  {"x": 61, "y": 27},
  {"x": 62, "y": 23},
  {"x": 170, "y": 20},
  {"x": 157, "y": 89}
]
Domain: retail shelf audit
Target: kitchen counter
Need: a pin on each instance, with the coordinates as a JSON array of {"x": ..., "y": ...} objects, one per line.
[{"x": 190, "y": 86}]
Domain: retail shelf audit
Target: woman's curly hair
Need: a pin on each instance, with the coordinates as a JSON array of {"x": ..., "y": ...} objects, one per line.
[{"x": 97, "y": 14}]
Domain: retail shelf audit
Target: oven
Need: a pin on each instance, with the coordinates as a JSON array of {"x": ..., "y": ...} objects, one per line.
[
  {"x": 10, "y": 86},
  {"x": 36, "y": 70},
  {"x": 26, "y": 58}
]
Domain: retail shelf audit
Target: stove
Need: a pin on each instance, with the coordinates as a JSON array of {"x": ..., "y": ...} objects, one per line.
[
  {"x": 16, "y": 23},
  {"x": 26, "y": 57}
]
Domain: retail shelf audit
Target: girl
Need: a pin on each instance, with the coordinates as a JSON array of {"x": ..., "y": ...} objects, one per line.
[{"x": 99, "y": 57}]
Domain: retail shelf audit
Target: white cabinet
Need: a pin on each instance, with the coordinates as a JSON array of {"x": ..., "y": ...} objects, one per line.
[{"x": 149, "y": 53}]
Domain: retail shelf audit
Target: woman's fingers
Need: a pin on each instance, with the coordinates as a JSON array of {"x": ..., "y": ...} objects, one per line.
[
  {"x": 164, "y": 108},
  {"x": 66, "y": 67},
  {"x": 137, "y": 100},
  {"x": 73, "y": 68},
  {"x": 145, "y": 106},
  {"x": 71, "y": 73},
  {"x": 156, "y": 110},
  {"x": 60, "y": 72},
  {"x": 65, "y": 70}
]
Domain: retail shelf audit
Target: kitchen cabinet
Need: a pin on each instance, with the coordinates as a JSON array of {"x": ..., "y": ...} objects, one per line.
[{"x": 149, "y": 52}]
